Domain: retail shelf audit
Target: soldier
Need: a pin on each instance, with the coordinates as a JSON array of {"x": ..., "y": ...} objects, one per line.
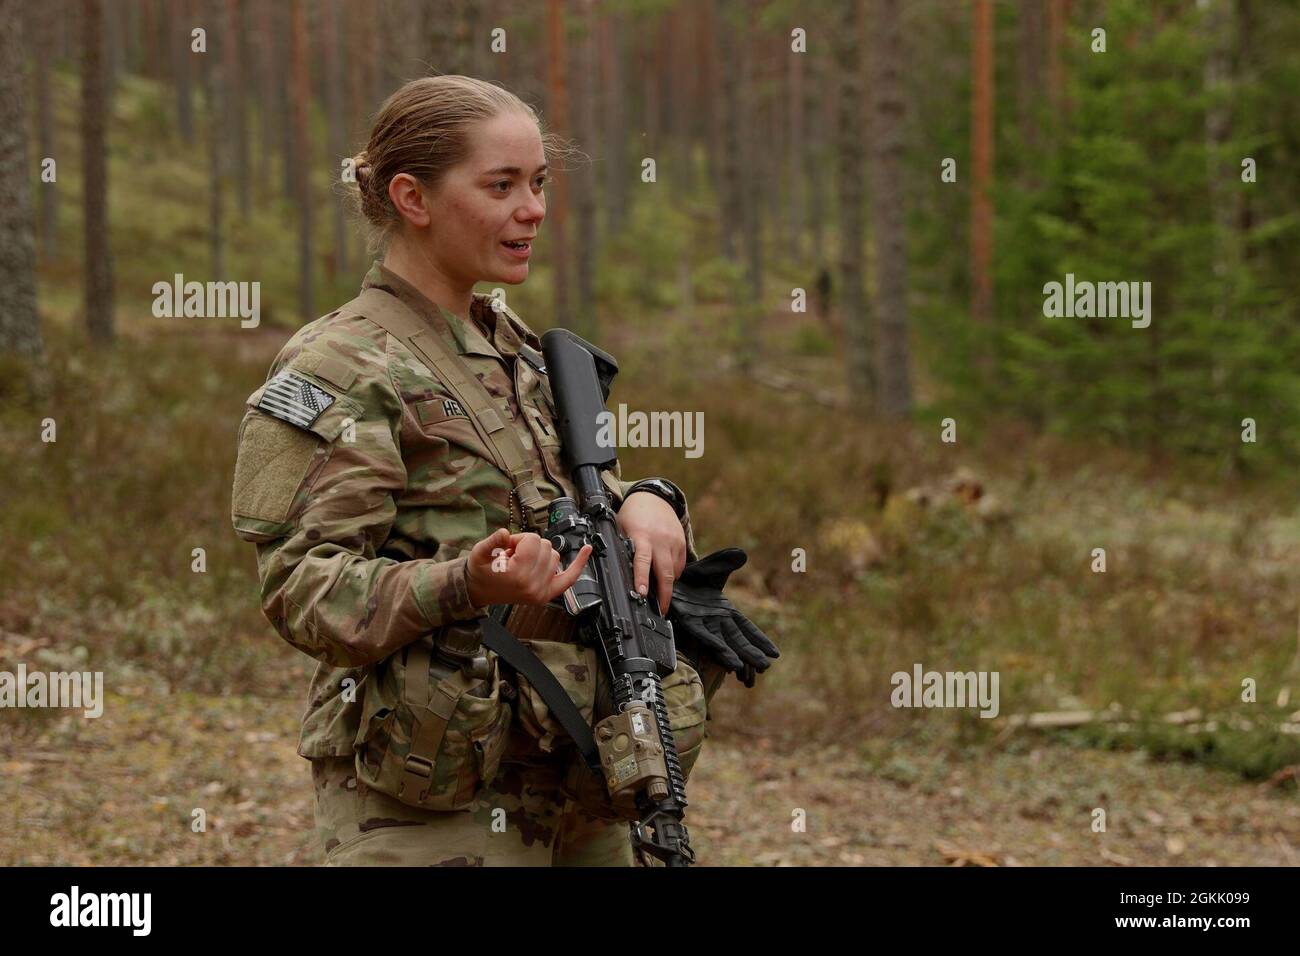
[{"x": 394, "y": 471}]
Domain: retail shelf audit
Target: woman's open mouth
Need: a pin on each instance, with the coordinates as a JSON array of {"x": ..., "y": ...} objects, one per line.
[{"x": 520, "y": 249}]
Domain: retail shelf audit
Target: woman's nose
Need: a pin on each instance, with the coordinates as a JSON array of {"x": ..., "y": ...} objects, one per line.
[{"x": 534, "y": 209}]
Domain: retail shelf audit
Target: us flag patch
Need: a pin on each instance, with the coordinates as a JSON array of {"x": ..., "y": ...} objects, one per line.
[{"x": 293, "y": 399}]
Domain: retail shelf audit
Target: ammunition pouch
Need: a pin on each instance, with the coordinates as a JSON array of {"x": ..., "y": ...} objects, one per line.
[{"x": 434, "y": 724}]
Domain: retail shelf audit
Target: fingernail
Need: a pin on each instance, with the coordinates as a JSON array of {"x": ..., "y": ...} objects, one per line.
[{"x": 642, "y": 589}]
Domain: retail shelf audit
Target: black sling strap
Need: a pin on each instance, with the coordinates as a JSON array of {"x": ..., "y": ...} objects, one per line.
[{"x": 511, "y": 650}]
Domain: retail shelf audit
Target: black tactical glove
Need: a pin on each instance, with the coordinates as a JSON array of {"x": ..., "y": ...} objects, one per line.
[{"x": 702, "y": 616}]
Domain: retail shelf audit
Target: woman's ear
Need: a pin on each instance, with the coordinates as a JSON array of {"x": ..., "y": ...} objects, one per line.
[{"x": 409, "y": 200}]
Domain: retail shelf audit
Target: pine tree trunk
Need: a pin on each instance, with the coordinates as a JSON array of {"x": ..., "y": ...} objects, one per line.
[
  {"x": 332, "y": 64},
  {"x": 1056, "y": 54},
  {"x": 43, "y": 40},
  {"x": 894, "y": 394},
  {"x": 617, "y": 167},
  {"x": 981, "y": 215},
  {"x": 750, "y": 208},
  {"x": 796, "y": 170},
  {"x": 236, "y": 60},
  {"x": 706, "y": 48},
  {"x": 855, "y": 320},
  {"x": 98, "y": 268},
  {"x": 266, "y": 100},
  {"x": 558, "y": 108},
  {"x": 585, "y": 312},
  {"x": 215, "y": 96},
  {"x": 286, "y": 93},
  {"x": 729, "y": 86},
  {"x": 827, "y": 107},
  {"x": 20, "y": 323},
  {"x": 1031, "y": 70},
  {"x": 301, "y": 85},
  {"x": 182, "y": 62}
]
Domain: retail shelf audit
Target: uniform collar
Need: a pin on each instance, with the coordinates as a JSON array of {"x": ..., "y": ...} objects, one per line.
[{"x": 507, "y": 329}]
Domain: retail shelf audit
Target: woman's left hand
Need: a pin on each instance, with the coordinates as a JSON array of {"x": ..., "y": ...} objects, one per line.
[{"x": 660, "y": 543}]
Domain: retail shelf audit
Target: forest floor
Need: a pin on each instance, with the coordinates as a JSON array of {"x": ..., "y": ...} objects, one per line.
[{"x": 123, "y": 789}]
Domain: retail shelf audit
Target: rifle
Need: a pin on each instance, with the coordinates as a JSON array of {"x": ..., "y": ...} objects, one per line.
[{"x": 634, "y": 748}]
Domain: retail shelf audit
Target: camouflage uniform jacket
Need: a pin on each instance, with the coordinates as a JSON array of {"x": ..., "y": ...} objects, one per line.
[{"x": 366, "y": 490}]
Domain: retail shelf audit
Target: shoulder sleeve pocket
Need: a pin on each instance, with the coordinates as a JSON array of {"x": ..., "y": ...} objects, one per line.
[{"x": 276, "y": 459}]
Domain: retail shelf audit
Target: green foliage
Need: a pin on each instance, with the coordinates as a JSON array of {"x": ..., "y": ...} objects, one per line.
[
  {"x": 658, "y": 232},
  {"x": 1123, "y": 185},
  {"x": 811, "y": 339}
]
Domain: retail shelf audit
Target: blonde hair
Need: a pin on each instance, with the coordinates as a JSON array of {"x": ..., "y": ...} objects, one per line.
[{"x": 423, "y": 129}]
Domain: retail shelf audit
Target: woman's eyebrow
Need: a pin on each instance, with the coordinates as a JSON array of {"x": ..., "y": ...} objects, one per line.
[{"x": 511, "y": 170}]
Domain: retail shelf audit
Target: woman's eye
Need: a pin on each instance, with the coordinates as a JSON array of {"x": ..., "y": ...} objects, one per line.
[
  {"x": 504, "y": 182},
  {"x": 540, "y": 181}
]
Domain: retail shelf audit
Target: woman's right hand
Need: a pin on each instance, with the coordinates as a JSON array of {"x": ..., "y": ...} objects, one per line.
[{"x": 526, "y": 569}]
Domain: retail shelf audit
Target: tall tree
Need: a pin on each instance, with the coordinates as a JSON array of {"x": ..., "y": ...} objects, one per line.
[
  {"x": 1056, "y": 15},
  {"x": 558, "y": 107},
  {"x": 894, "y": 384},
  {"x": 1219, "y": 28},
  {"x": 1030, "y": 88},
  {"x": 286, "y": 95},
  {"x": 182, "y": 63},
  {"x": 981, "y": 153},
  {"x": 235, "y": 47},
  {"x": 214, "y": 94},
  {"x": 335, "y": 122},
  {"x": 43, "y": 28},
  {"x": 584, "y": 318},
  {"x": 20, "y": 324},
  {"x": 617, "y": 169},
  {"x": 98, "y": 269},
  {"x": 796, "y": 170},
  {"x": 860, "y": 365},
  {"x": 302, "y": 164},
  {"x": 728, "y": 171},
  {"x": 447, "y": 30},
  {"x": 263, "y": 57},
  {"x": 751, "y": 206},
  {"x": 706, "y": 98}
]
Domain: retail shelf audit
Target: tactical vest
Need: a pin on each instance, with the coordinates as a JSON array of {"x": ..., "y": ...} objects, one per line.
[{"x": 420, "y": 776}]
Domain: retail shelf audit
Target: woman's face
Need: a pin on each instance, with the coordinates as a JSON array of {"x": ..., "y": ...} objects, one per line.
[{"x": 495, "y": 196}]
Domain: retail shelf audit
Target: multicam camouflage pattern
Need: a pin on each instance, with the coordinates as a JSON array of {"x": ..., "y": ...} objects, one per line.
[
  {"x": 521, "y": 819},
  {"x": 473, "y": 740},
  {"x": 363, "y": 521},
  {"x": 415, "y": 482}
]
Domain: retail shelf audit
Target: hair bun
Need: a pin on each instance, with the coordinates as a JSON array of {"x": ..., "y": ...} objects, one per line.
[{"x": 361, "y": 167}]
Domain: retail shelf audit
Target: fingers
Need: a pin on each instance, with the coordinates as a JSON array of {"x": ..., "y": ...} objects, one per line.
[
  {"x": 482, "y": 551},
  {"x": 664, "y": 578},
  {"x": 712, "y": 642},
  {"x": 562, "y": 582},
  {"x": 757, "y": 637},
  {"x": 740, "y": 644},
  {"x": 641, "y": 565}
]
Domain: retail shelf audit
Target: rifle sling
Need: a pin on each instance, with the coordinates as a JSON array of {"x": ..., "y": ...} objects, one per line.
[{"x": 519, "y": 656}]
